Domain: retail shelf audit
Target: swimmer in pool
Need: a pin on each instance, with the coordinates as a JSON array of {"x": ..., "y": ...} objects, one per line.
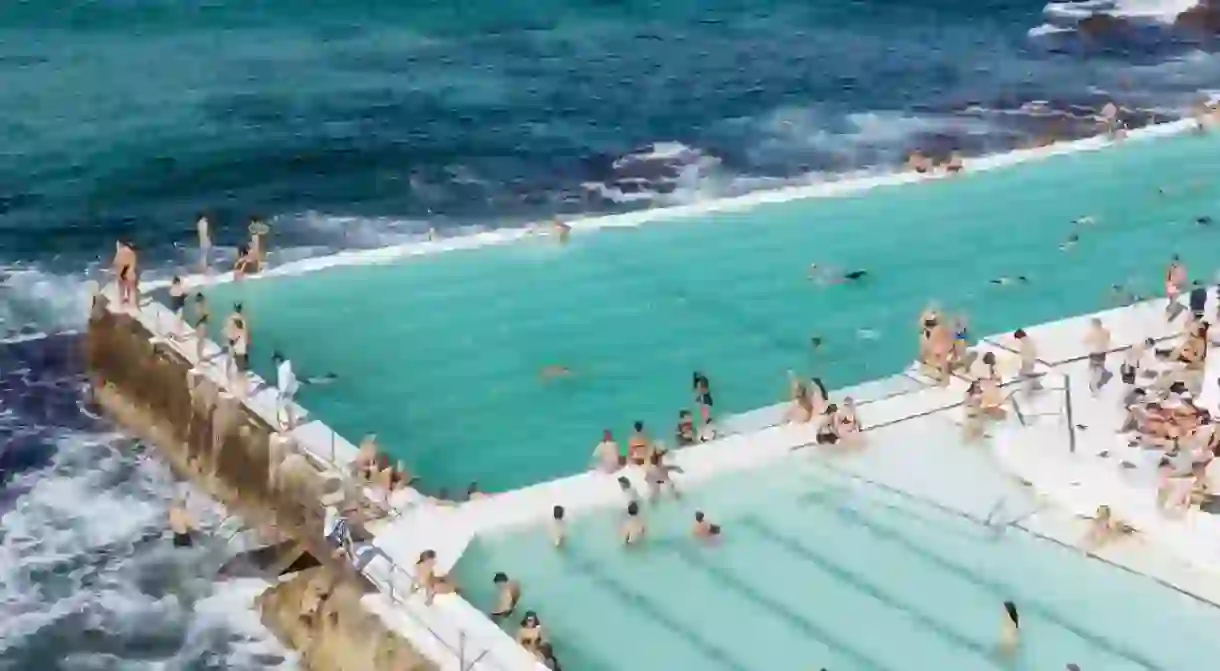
[
  {"x": 508, "y": 593},
  {"x": 836, "y": 278},
  {"x": 553, "y": 372},
  {"x": 1009, "y": 281},
  {"x": 1087, "y": 220},
  {"x": 1010, "y": 630},
  {"x": 1069, "y": 244},
  {"x": 1203, "y": 221},
  {"x": 559, "y": 528},
  {"x": 633, "y": 529},
  {"x": 704, "y": 530},
  {"x": 815, "y": 342}
]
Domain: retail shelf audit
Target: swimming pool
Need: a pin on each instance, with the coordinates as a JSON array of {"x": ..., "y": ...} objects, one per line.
[
  {"x": 441, "y": 355},
  {"x": 818, "y": 568}
]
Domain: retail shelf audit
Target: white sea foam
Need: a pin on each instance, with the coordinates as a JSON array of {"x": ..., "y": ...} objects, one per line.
[
  {"x": 828, "y": 187},
  {"x": 1164, "y": 11},
  {"x": 82, "y": 554}
]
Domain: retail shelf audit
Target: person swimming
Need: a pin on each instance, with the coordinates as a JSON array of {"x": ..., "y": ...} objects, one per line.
[
  {"x": 1010, "y": 629},
  {"x": 1203, "y": 220},
  {"x": 1009, "y": 281},
  {"x": 1070, "y": 243},
  {"x": 704, "y": 530},
  {"x": 827, "y": 276}
]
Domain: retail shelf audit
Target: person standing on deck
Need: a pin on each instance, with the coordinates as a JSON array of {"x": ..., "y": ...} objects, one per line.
[
  {"x": 1197, "y": 298},
  {"x": 1175, "y": 277},
  {"x": 702, "y": 388},
  {"x": 286, "y": 385},
  {"x": 203, "y": 229},
  {"x": 201, "y": 325},
  {"x": 1097, "y": 340},
  {"x": 1029, "y": 358}
]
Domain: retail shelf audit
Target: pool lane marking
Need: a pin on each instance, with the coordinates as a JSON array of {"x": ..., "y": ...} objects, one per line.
[
  {"x": 798, "y": 549},
  {"x": 590, "y": 569},
  {"x": 999, "y": 590},
  {"x": 695, "y": 557},
  {"x": 936, "y": 505}
]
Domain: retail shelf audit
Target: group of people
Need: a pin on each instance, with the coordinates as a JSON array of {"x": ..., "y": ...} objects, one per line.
[{"x": 251, "y": 257}]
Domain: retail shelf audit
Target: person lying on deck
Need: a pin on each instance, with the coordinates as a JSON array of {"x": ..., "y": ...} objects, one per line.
[{"x": 1103, "y": 529}]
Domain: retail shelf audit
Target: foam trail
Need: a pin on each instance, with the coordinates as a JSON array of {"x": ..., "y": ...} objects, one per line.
[{"x": 827, "y": 189}]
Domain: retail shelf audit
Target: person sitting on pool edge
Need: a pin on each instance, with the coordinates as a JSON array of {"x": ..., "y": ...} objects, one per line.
[
  {"x": 684, "y": 434},
  {"x": 429, "y": 580}
]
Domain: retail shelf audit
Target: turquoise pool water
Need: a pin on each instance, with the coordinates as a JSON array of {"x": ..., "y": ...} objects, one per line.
[
  {"x": 817, "y": 570},
  {"x": 441, "y": 356}
]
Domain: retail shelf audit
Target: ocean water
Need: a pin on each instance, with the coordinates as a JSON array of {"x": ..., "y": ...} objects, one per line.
[
  {"x": 360, "y": 124},
  {"x": 816, "y": 569},
  {"x": 442, "y": 356}
]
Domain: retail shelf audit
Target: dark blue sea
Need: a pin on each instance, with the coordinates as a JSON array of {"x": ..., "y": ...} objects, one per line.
[{"x": 360, "y": 124}]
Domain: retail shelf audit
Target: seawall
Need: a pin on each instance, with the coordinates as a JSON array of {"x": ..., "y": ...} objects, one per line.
[{"x": 211, "y": 438}]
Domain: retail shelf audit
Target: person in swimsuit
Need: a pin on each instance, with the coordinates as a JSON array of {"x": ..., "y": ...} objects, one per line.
[
  {"x": 802, "y": 406},
  {"x": 180, "y": 523},
  {"x": 1097, "y": 340},
  {"x": 562, "y": 230},
  {"x": 829, "y": 277},
  {"x": 1008, "y": 281},
  {"x": 530, "y": 635},
  {"x": 202, "y": 229},
  {"x": 432, "y": 583},
  {"x": 633, "y": 529},
  {"x": 629, "y": 494},
  {"x": 638, "y": 446},
  {"x": 1175, "y": 277},
  {"x": 201, "y": 325},
  {"x": 703, "y": 394},
  {"x": 473, "y": 493},
  {"x": 559, "y": 527},
  {"x": 685, "y": 434},
  {"x": 508, "y": 593},
  {"x": 606, "y": 456},
  {"x": 1010, "y": 630},
  {"x": 657, "y": 477},
  {"x": 704, "y": 530},
  {"x": 177, "y": 297},
  {"x": 1029, "y": 358},
  {"x": 954, "y": 164},
  {"x": 828, "y": 430},
  {"x": 848, "y": 426}
]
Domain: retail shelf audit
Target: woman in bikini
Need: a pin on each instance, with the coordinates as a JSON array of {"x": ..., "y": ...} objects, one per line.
[{"x": 638, "y": 446}]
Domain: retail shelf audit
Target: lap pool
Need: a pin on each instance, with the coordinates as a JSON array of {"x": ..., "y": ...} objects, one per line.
[
  {"x": 441, "y": 355},
  {"x": 820, "y": 569}
]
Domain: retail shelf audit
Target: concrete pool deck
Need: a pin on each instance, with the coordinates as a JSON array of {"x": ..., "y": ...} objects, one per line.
[{"x": 456, "y": 635}]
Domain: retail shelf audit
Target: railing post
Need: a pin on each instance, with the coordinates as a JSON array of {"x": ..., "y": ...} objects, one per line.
[
  {"x": 1067, "y": 399},
  {"x": 462, "y": 650}
]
